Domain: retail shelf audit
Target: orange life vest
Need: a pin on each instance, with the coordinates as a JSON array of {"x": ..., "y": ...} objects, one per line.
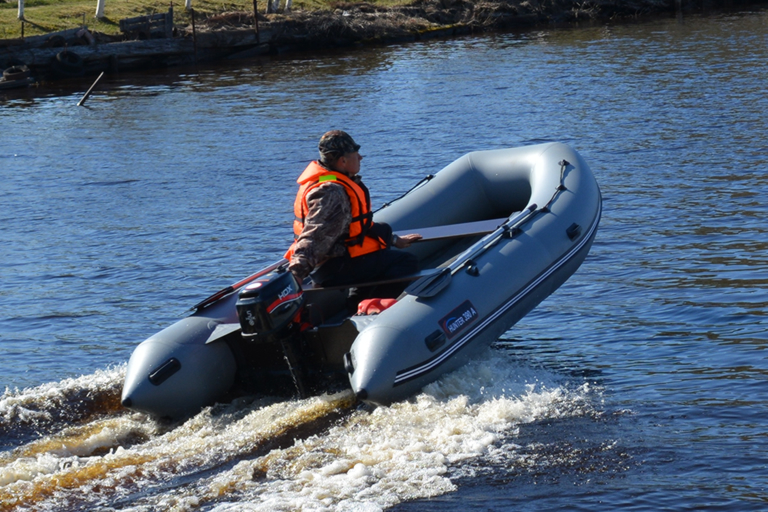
[{"x": 358, "y": 242}]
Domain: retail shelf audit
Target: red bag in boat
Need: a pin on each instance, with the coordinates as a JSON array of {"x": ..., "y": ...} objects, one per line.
[{"x": 374, "y": 306}]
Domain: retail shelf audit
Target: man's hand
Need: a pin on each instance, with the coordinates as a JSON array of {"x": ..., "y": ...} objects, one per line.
[
  {"x": 299, "y": 267},
  {"x": 401, "y": 242}
]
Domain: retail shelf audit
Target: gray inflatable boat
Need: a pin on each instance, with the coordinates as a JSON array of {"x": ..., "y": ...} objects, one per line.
[{"x": 502, "y": 230}]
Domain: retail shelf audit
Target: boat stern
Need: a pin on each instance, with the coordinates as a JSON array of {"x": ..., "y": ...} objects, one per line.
[{"x": 174, "y": 379}]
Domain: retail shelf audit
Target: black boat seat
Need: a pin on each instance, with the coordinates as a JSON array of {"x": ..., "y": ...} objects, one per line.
[{"x": 309, "y": 286}]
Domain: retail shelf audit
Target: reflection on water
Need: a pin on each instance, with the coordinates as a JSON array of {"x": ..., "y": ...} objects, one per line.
[{"x": 632, "y": 386}]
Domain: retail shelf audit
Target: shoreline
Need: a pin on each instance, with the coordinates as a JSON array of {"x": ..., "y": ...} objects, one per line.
[{"x": 234, "y": 35}]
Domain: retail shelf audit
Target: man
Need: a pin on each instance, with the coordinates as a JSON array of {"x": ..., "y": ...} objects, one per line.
[{"x": 336, "y": 240}]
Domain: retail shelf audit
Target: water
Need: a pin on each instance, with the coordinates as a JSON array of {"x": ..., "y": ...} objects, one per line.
[{"x": 639, "y": 385}]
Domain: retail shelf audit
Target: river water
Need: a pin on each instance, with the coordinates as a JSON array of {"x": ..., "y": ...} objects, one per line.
[{"x": 640, "y": 384}]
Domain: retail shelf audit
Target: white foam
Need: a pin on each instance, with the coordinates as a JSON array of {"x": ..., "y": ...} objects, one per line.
[
  {"x": 27, "y": 468},
  {"x": 67, "y": 449},
  {"x": 33, "y": 404},
  {"x": 369, "y": 460},
  {"x": 403, "y": 452}
]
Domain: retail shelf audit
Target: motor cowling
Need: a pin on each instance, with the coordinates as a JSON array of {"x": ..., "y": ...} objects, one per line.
[{"x": 269, "y": 307}]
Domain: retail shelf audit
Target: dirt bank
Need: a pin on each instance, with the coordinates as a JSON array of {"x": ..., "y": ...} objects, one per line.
[{"x": 362, "y": 21}]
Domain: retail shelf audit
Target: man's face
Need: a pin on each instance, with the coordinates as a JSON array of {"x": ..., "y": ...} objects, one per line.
[{"x": 349, "y": 164}]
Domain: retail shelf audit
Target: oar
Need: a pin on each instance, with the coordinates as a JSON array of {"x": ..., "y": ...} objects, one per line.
[
  {"x": 431, "y": 285},
  {"x": 231, "y": 288}
]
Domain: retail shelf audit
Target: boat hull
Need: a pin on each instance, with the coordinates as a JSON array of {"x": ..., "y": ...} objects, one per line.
[
  {"x": 380, "y": 378},
  {"x": 416, "y": 341},
  {"x": 175, "y": 372}
]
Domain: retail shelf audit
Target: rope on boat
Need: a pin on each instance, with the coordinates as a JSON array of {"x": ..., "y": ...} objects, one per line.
[
  {"x": 560, "y": 188},
  {"x": 423, "y": 180}
]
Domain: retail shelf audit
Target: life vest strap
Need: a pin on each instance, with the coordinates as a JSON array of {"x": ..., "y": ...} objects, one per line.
[{"x": 364, "y": 216}]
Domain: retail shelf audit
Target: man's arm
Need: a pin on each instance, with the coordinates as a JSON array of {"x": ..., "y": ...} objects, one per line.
[{"x": 327, "y": 223}]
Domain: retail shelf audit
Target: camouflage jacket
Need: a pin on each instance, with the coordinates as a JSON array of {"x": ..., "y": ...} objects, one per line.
[{"x": 326, "y": 226}]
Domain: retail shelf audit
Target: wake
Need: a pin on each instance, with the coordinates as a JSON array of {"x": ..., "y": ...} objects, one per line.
[{"x": 72, "y": 447}]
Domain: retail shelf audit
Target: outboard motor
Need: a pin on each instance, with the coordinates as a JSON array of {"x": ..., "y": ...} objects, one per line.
[
  {"x": 269, "y": 311},
  {"x": 268, "y": 307}
]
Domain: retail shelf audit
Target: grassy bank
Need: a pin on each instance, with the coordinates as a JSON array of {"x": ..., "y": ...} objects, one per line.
[{"x": 44, "y": 16}]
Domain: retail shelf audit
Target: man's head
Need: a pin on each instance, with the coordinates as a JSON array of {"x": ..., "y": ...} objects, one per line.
[{"x": 339, "y": 151}]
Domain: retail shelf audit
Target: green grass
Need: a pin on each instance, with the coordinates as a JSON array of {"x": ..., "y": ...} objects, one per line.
[{"x": 44, "y": 16}]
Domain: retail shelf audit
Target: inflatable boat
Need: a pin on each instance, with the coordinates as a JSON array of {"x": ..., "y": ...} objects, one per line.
[{"x": 502, "y": 230}]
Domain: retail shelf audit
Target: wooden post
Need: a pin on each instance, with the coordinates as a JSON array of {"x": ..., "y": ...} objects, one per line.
[
  {"x": 88, "y": 93},
  {"x": 188, "y": 5},
  {"x": 194, "y": 33},
  {"x": 169, "y": 22},
  {"x": 21, "y": 11},
  {"x": 100, "y": 9},
  {"x": 256, "y": 21}
]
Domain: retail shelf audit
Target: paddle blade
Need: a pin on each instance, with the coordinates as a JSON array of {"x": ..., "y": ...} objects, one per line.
[{"x": 431, "y": 285}]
